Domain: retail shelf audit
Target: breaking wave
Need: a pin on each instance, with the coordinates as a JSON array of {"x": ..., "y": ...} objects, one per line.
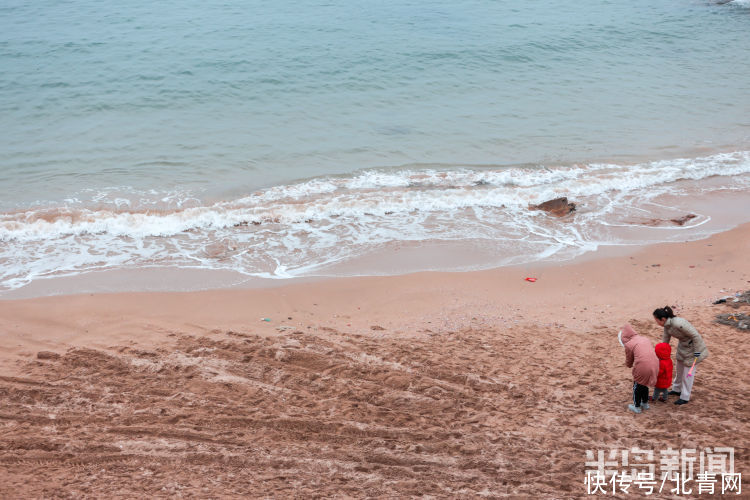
[{"x": 305, "y": 228}]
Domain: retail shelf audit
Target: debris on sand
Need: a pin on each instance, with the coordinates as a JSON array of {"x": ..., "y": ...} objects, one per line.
[
  {"x": 739, "y": 321},
  {"x": 735, "y": 300},
  {"x": 741, "y": 298},
  {"x": 47, "y": 355}
]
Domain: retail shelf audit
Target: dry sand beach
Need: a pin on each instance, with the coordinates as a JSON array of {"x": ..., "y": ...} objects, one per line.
[
  {"x": 283, "y": 249},
  {"x": 432, "y": 384}
]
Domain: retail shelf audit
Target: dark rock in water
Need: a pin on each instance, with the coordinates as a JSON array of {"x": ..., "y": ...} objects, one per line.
[
  {"x": 660, "y": 222},
  {"x": 557, "y": 207},
  {"x": 649, "y": 222},
  {"x": 682, "y": 220}
]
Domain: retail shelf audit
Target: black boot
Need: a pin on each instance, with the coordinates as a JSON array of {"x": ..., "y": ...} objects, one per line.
[{"x": 680, "y": 402}]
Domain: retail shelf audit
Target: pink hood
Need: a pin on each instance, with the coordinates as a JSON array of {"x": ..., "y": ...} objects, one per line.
[{"x": 640, "y": 355}]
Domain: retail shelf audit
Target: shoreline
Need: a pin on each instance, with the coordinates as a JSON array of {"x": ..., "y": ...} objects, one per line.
[
  {"x": 586, "y": 293},
  {"x": 101, "y": 259},
  {"x": 720, "y": 210}
]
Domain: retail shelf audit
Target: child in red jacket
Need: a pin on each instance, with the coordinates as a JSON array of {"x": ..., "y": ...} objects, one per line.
[{"x": 664, "y": 380}]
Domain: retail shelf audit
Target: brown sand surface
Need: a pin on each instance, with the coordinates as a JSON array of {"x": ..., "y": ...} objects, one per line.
[{"x": 434, "y": 384}]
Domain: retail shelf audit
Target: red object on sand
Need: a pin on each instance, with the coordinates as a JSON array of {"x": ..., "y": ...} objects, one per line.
[{"x": 531, "y": 279}]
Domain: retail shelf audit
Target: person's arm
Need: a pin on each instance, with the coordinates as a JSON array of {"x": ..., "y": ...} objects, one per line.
[
  {"x": 629, "y": 357},
  {"x": 665, "y": 337}
]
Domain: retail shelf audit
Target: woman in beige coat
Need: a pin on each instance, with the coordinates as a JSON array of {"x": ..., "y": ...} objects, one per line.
[{"x": 690, "y": 349}]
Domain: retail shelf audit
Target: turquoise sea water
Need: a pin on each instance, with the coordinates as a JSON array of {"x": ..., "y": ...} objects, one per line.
[{"x": 155, "y": 133}]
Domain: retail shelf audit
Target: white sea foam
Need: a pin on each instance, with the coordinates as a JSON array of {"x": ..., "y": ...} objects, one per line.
[
  {"x": 374, "y": 193},
  {"x": 299, "y": 229}
]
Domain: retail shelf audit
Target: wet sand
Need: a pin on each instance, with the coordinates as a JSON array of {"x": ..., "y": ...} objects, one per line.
[{"x": 432, "y": 384}]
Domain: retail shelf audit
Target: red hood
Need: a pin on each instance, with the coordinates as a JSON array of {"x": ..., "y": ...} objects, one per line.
[{"x": 663, "y": 350}]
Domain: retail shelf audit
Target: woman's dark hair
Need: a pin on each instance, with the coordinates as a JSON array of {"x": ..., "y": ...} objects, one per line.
[{"x": 663, "y": 313}]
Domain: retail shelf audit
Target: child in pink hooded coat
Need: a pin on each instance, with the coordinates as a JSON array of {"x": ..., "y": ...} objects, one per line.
[{"x": 640, "y": 355}]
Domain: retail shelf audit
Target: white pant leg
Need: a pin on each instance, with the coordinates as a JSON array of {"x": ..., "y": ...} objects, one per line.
[
  {"x": 687, "y": 383},
  {"x": 679, "y": 372}
]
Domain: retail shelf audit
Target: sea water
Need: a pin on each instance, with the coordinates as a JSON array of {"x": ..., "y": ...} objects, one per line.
[{"x": 287, "y": 139}]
